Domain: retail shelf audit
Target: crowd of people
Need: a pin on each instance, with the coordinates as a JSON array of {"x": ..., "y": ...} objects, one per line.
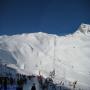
[{"x": 18, "y": 82}]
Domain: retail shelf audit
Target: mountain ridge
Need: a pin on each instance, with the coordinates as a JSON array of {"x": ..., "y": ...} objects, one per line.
[{"x": 41, "y": 52}]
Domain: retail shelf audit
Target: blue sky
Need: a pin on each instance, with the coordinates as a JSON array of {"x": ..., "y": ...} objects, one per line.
[{"x": 50, "y": 16}]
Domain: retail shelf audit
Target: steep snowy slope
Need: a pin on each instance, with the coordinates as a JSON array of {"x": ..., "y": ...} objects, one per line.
[{"x": 41, "y": 53}]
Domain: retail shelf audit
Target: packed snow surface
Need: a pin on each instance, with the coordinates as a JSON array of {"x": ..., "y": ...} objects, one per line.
[{"x": 40, "y": 53}]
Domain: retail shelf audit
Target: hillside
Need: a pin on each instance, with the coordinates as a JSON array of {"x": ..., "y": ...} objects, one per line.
[{"x": 41, "y": 53}]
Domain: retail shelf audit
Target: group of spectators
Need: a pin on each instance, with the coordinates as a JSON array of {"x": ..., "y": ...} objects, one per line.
[
  {"x": 20, "y": 80},
  {"x": 17, "y": 82}
]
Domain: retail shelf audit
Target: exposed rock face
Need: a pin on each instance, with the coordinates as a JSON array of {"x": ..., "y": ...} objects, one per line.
[{"x": 85, "y": 28}]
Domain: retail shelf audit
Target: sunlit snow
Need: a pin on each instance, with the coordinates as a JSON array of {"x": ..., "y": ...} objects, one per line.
[{"x": 41, "y": 53}]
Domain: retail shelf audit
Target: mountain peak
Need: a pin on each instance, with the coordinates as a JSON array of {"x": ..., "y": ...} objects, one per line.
[{"x": 84, "y": 28}]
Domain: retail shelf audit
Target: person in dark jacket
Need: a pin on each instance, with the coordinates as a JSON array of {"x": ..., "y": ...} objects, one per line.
[
  {"x": 20, "y": 84},
  {"x": 33, "y": 87},
  {"x": 5, "y": 83}
]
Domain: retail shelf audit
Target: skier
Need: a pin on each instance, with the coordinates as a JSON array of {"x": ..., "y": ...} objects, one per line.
[{"x": 33, "y": 87}]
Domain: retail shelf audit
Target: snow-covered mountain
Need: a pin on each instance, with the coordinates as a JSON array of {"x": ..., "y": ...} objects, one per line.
[{"x": 41, "y": 53}]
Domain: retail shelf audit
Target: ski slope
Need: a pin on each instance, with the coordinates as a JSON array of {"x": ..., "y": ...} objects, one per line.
[{"x": 40, "y": 53}]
